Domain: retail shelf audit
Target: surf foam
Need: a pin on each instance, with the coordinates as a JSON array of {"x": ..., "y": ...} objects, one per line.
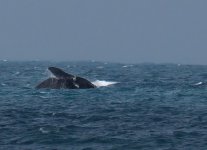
[{"x": 100, "y": 83}]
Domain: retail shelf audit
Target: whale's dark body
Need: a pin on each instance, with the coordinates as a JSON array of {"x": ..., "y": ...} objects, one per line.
[{"x": 64, "y": 80}]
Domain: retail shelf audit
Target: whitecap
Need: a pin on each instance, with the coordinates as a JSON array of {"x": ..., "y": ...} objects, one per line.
[
  {"x": 17, "y": 73},
  {"x": 3, "y": 84},
  {"x": 42, "y": 92},
  {"x": 27, "y": 85},
  {"x": 100, "y": 83},
  {"x": 43, "y": 130},
  {"x": 43, "y": 97},
  {"x": 125, "y": 66},
  {"x": 199, "y": 83},
  {"x": 36, "y": 68},
  {"x": 100, "y": 67}
]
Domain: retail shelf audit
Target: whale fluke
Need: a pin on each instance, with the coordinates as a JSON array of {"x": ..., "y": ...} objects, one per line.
[{"x": 59, "y": 73}]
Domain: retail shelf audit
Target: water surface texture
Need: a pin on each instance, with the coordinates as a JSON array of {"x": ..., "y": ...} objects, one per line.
[{"x": 143, "y": 106}]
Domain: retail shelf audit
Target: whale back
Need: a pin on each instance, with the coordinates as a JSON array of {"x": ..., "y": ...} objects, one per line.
[
  {"x": 83, "y": 83},
  {"x": 64, "y": 80},
  {"x": 55, "y": 83}
]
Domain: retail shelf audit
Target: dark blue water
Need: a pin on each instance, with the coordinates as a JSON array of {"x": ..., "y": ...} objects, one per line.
[{"x": 151, "y": 107}]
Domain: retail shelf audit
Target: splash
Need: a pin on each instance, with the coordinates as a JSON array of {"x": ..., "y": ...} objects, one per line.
[
  {"x": 100, "y": 83},
  {"x": 49, "y": 74}
]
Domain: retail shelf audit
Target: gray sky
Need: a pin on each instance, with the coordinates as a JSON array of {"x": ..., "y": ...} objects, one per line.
[{"x": 130, "y": 31}]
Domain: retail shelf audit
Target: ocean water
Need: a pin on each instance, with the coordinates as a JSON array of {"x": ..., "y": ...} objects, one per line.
[{"x": 135, "y": 107}]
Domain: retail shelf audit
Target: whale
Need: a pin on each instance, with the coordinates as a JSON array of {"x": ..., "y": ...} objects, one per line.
[{"x": 63, "y": 80}]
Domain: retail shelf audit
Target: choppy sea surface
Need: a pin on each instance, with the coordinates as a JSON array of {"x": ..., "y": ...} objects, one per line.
[{"x": 135, "y": 107}]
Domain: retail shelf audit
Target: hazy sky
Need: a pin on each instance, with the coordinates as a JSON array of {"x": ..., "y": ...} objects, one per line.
[{"x": 130, "y": 31}]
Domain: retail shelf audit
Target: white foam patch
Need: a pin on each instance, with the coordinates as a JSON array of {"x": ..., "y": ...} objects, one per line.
[
  {"x": 100, "y": 83},
  {"x": 199, "y": 83}
]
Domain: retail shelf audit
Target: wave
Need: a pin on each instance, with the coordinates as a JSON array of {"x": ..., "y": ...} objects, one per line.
[{"x": 100, "y": 83}]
